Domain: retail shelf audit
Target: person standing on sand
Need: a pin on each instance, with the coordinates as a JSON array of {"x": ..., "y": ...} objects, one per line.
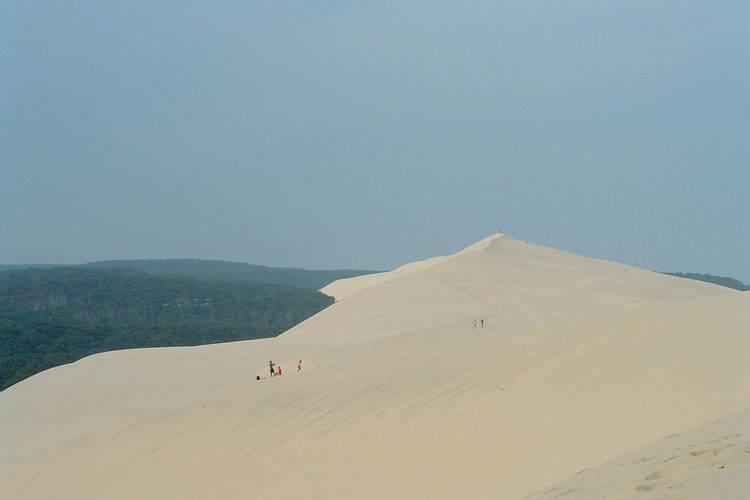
[
  {"x": 270, "y": 366},
  {"x": 475, "y": 323},
  {"x": 482, "y": 320},
  {"x": 299, "y": 366},
  {"x": 279, "y": 370}
]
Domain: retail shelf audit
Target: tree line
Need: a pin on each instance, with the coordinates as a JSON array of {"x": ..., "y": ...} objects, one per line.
[
  {"x": 716, "y": 280},
  {"x": 219, "y": 270},
  {"x": 54, "y": 316}
]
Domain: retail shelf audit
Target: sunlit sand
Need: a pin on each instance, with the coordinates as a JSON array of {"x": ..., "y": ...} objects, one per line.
[{"x": 589, "y": 378}]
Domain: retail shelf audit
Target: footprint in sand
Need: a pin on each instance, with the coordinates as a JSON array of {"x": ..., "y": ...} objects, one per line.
[
  {"x": 569, "y": 491},
  {"x": 700, "y": 453},
  {"x": 654, "y": 476}
]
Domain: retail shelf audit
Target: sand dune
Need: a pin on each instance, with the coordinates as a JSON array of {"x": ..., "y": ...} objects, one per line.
[
  {"x": 581, "y": 362},
  {"x": 710, "y": 461}
]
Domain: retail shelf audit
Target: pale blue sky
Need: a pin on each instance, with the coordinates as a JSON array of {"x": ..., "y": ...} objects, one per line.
[{"x": 353, "y": 134}]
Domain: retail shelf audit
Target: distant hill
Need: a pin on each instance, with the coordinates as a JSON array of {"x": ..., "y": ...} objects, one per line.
[
  {"x": 50, "y": 317},
  {"x": 16, "y": 267},
  {"x": 717, "y": 280},
  {"x": 218, "y": 270}
]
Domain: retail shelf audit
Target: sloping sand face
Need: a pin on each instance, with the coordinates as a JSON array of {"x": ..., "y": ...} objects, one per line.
[
  {"x": 710, "y": 461},
  {"x": 580, "y": 361}
]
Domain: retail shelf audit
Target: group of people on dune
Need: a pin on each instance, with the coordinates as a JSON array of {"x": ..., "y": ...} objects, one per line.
[{"x": 276, "y": 370}]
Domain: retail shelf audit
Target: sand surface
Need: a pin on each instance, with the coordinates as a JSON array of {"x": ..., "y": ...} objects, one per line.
[
  {"x": 582, "y": 364},
  {"x": 710, "y": 461}
]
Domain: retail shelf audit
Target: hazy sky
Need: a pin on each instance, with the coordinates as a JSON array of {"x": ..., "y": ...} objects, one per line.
[{"x": 353, "y": 134}]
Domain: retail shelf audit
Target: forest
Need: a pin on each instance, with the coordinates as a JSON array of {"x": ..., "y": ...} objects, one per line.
[
  {"x": 717, "y": 280},
  {"x": 219, "y": 270},
  {"x": 53, "y": 316}
]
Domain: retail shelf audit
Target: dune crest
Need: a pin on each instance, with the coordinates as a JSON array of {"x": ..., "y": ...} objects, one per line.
[{"x": 579, "y": 362}]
